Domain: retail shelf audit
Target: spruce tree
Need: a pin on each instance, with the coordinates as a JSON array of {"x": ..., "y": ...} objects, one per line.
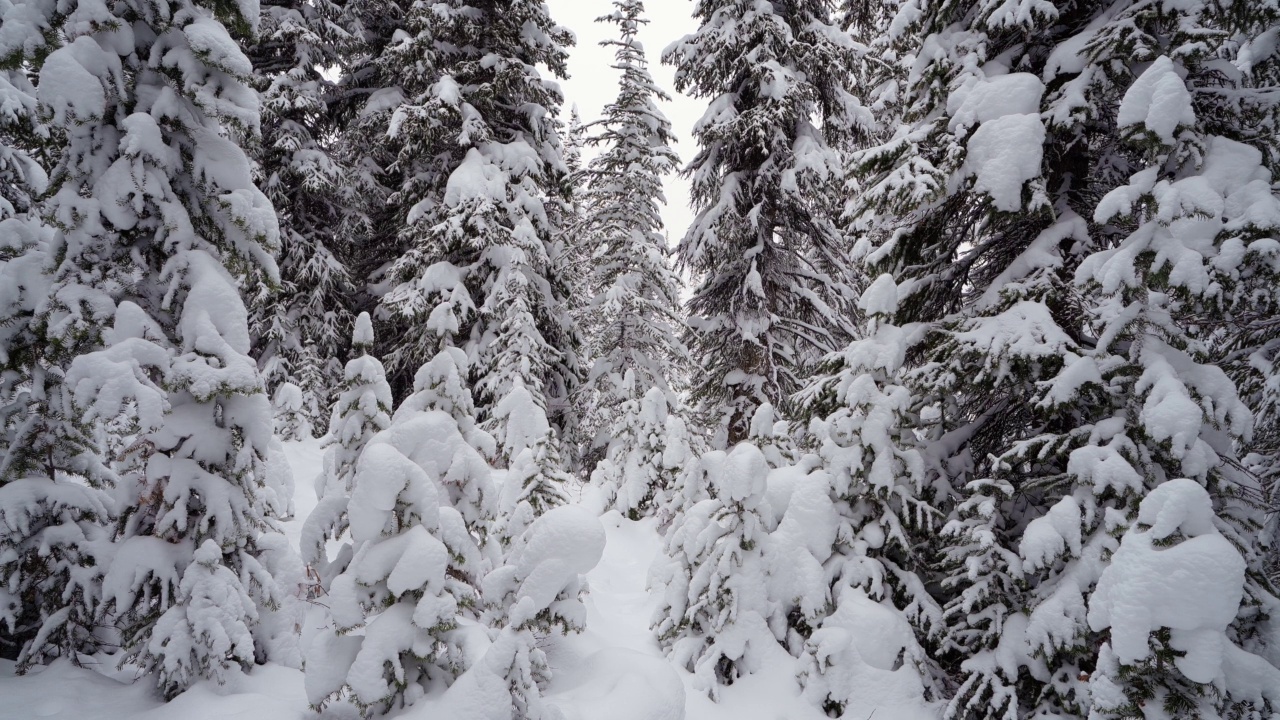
[
  {"x": 362, "y": 409},
  {"x": 22, "y": 178},
  {"x": 53, "y": 509},
  {"x": 715, "y": 615},
  {"x": 154, "y": 202},
  {"x": 536, "y": 481},
  {"x": 537, "y": 591},
  {"x": 1034, "y": 212},
  {"x": 772, "y": 294},
  {"x": 864, "y": 434},
  {"x": 633, "y": 318},
  {"x": 480, "y": 264},
  {"x": 419, "y": 511},
  {"x": 413, "y": 573},
  {"x": 298, "y": 325},
  {"x": 474, "y": 188}
]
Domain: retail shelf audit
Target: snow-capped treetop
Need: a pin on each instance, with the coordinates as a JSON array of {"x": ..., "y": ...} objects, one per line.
[
  {"x": 521, "y": 421},
  {"x": 632, "y": 318},
  {"x": 362, "y": 334}
]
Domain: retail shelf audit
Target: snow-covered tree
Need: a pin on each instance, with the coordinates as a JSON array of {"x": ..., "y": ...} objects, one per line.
[
  {"x": 644, "y": 457},
  {"x": 419, "y": 511},
  {"x": 298, "y": 325},
  {"x": 53, "y": 511},
  {"x": 292, "y": 422},
  {"x": 714, "y": 618},
  {"x": 632, "y": 319},
  {"x": 363, "y": 409},
  {"x": 536, "y": 481},
  {"x": 480, "y": 265},
  {"x": 441, "y": 384},
  {"x": 772, "y": 291},
  {"x": 1030, "y": 193},
  {"x": 535, "y": 593},
  {"x": 153, "y": 203},
  {"x": 396, "y": 169},
  {"x": 864, "y": 436},
  {"x": 412, "y": 574}
]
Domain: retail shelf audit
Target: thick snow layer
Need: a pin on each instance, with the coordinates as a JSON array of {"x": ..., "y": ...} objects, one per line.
[
  {"x": 614, "y": 669},
  {"x": 1193, "y": 586},
  {"x": 623, "y": 684},
  {"x": 67, "y": 88},
  {"x": 1158, "y": 100},
  {"x": 1004, "y": 153},
  {"x": 991, "y": 98}
]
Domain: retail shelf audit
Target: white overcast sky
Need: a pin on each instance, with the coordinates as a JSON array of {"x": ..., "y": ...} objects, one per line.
[{"x": 594, "y": 83}]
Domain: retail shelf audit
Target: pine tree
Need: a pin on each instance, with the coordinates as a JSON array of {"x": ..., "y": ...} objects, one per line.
[
  {"x": 53, "y": 511},
  {"x": 154, "y": 202},
  {"x": 864, "y": 435},
  {"x": 764, "y": 248},
  {"x": 536, "y": 480},
  {"x": 298, "y": 325},
  {"x": 633, "y": 318},
  {"x": 714, "y": 619},
  {"x": 635, "y": 474},
  {"x": 482, "y": 266},
  {"x": 1058, "y": 318},
  {"x": 441, "y": 385},
  {"x": 572, "y": 217},
  {"x": 291, "y": 421},
  {"x": 412, "y": 574},
  {"x": 537, "y": 591},
  {"x": 22, "y": 178},
  {"x": 419, "y": 513},
  {"x": 390, "y": 69},
  {"x": 363, "y": 409}
]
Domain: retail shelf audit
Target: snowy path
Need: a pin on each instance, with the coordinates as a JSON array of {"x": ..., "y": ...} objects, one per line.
[{"x": 614, "y": 670}]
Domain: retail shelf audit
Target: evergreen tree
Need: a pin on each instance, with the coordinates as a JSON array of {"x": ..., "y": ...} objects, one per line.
[
  {"x": 633, "y": 318},
  {"x": 864, "y": 435},
  {"x": 291, "y": 421},
  {"x": 51, "y": 520},
  {"x": 479, "y": 264},
  {"x": 22, "y": 178},
  {"x": 536, "y": 480},
  {"x": 538, "y": 590},
  {"x": 153, "y": 203},
  {"x": 572, "y": 217},
  {"x": 441, "y": 385},
  {"x": 54, "y": 508},
  {"x": 414, "y": 572},
  {"x": 772, "y": 294},
  {"x": 420, "y": 508},
  {"x": 298, "y": 325},
  {"x": 363, "y": 409},
  {"x": 645, "y": 456},
  {"x": 714, "y": 619},
  {"x": 1030, "y": 198},
  {"x": 389, "y": 68}
]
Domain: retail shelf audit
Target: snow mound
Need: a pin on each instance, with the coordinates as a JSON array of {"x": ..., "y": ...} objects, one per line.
[
  {"x": 1193, "y": 587},
  {"x": 622, "y": 684},
  {"x": 1158, "y": 100},
  {"x": 1003, "y": 154}
]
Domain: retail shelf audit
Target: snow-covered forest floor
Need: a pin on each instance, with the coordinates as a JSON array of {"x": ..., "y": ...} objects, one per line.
[{"x": 613, "y": 670}]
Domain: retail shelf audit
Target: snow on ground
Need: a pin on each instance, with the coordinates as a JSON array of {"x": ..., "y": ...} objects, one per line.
[{"x": 614, "y": 669}]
